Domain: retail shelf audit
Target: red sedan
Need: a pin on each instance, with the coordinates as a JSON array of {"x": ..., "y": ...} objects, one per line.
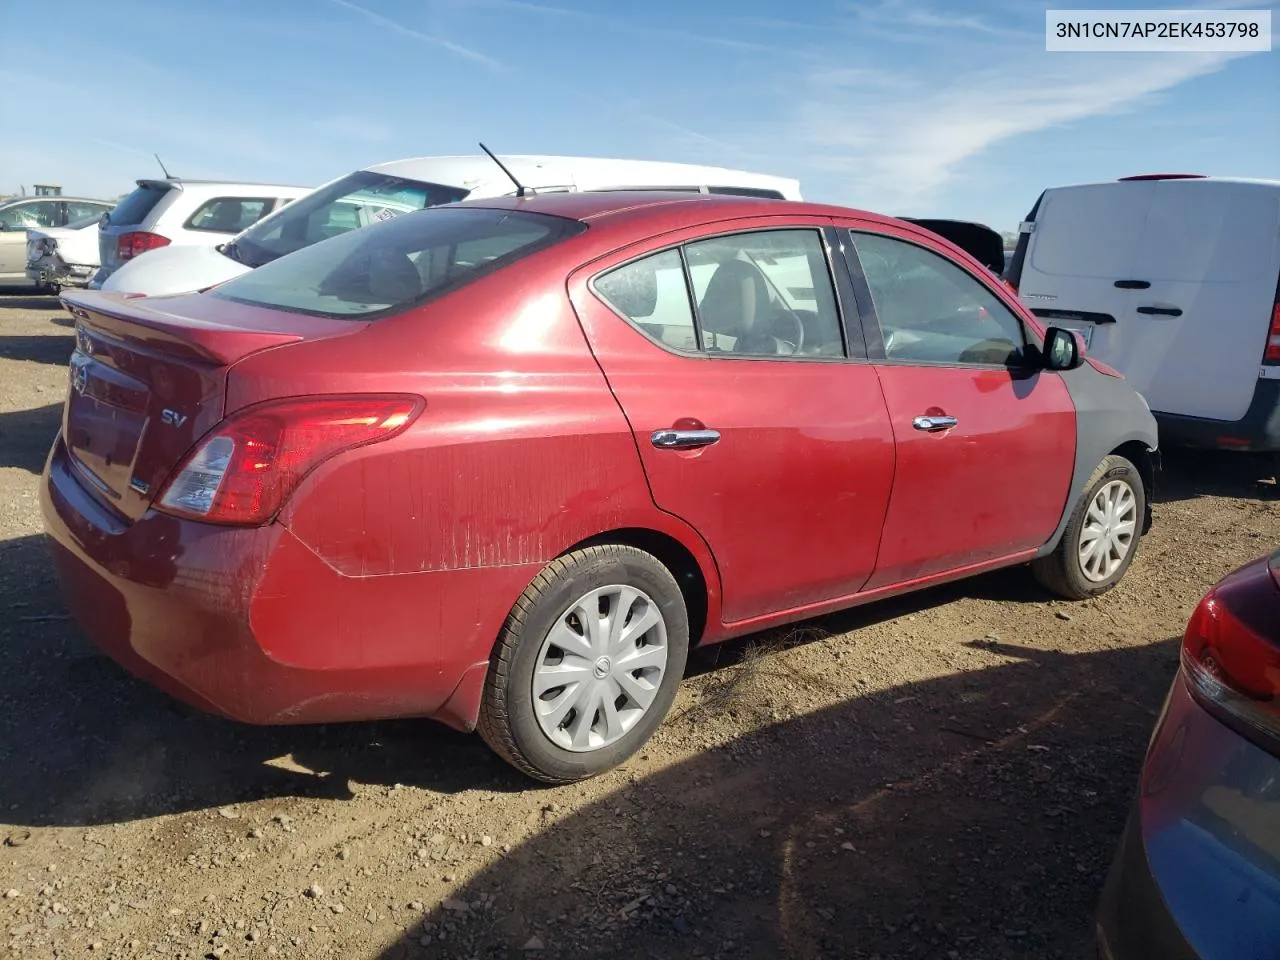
[{"x": 502, "y": 463}]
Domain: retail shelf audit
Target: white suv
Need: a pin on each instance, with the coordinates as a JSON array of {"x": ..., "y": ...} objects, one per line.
[
  {"x": 183, "y": 213},
  {"x": 391, "y": 189}
]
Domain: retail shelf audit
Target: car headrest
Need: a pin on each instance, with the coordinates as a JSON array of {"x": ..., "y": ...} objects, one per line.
[
  {"x": 736, "y": 295},
  {"x": 393, "y": 278}
]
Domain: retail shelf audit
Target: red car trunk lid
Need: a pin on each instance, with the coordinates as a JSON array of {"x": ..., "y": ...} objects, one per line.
[{"x": 148, "y": 382}]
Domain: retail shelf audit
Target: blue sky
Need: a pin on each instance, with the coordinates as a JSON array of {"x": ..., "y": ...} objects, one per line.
[{"x": 909, "y": 107}]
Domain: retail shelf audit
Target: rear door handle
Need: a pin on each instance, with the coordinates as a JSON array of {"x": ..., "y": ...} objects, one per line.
[
  {"x": 934, "y": 424},
  {"x": 1161, "y": 311},
  {"x": 1133, "y": 284},
  {"x": 683, "y": 439}
]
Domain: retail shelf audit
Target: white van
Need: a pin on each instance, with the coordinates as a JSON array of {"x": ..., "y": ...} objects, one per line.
[
  {"x": 1174, "y": 280},
  {"x": 390, "y": 189}
]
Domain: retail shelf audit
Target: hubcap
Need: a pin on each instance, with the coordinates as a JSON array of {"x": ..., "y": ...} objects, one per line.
[
  {"x": 1109, "y": 527},
  {"x": 600, "y": 668}
]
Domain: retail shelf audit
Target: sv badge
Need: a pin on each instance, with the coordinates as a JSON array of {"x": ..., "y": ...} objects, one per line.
[{"x": 172, "y": 418}]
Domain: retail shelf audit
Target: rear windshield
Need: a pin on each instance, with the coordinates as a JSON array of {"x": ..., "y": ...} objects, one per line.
[
  {"x": 396, "y": 264},
  {"x": 358, "y": 200},
  {"x": 134, "y": 208}
]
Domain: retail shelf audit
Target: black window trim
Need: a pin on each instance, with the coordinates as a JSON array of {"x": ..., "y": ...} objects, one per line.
[
  {"x": 1032, "y": 343},
  {"x": 825, "y": 233},
  {"x": 267, "y": 207}
]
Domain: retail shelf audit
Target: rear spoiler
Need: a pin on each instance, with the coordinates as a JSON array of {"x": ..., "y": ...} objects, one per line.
[
  {"x": 190, "y": 338},
  {"x": 160, "y": 184},
  {"x": 976, "y": 239}
]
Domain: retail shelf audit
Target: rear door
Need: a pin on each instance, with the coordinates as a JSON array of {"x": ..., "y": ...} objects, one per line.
[
  {"x": 1078, "y": 267},
  {"x": 985, "y": 442},
  {"x": 1192, "y": 341},
  {"x": 757, "y": 420}
]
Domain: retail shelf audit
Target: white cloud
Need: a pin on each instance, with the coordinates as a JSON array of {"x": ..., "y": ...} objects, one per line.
[
  {"x": 893, "y": 137},
  {"x": 456, "y": 48}
]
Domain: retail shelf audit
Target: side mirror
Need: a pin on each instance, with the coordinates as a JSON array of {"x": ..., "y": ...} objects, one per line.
[{"x": 1063, "y": 349}]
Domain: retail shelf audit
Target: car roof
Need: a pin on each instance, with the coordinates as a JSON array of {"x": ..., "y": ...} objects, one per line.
[
  {"x": 658, "y": 210},
  {"x": 10, "y": 201},
  {"x": 1167, "y": 178},
  {"x": 545, "y": 169}
]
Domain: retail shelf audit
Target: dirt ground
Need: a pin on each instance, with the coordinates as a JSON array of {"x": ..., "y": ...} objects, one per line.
[{"x": 939, "y": 776}]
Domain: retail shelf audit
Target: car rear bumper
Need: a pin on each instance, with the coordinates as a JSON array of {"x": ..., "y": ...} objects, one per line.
[
  {"x": 250, "y": 624},
  {"x": 1197, "y": 872},
  {"x": 51, "y": 271},
  {"x": 1258, "y": 430}
]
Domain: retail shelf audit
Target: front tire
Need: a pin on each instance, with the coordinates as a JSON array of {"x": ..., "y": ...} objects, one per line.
[
  {"x": 1102, "y": 535},
  {"x": 587, "y": 664}
]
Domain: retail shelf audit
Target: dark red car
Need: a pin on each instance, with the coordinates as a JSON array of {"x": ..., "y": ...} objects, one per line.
[{"x": 501, "y": 463}]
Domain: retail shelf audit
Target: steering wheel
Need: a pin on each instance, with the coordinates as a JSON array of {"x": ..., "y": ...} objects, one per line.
[{"x": 791, "y": 315}]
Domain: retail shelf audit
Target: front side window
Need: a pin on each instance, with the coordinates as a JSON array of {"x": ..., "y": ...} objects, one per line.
[
  {"x": 932, "y": 311},
  {"x": 762, "y": 294},
  {"x": 229, "y": 214},
  {"x": 357, "y": 200},
  {"x": 26, "y": 216},
  {"x": 391, "y": 266}
]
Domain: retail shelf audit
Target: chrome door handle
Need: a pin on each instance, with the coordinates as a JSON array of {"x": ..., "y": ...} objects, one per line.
[
  {"x": 934, "y": 424},
  {"x": 683, "y": 439}
]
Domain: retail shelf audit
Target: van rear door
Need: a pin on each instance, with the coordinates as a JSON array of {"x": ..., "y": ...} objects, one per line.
[
  {"x": 1077, "y": 267},
  {"x": 1195, "y": 337}
]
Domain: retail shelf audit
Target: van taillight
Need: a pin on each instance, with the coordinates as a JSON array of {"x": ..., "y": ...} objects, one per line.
[
  {"x": 246, "y": 467},
  {"x": 1272, "y": 353},
  {"x": 129, "y": 245},
  {"x": 1232, "y": 670}
]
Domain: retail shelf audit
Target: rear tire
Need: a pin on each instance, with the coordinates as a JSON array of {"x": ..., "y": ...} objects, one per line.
[
  {"x": 587, "y": 664},
  {"x": 1101, "y": 538}
]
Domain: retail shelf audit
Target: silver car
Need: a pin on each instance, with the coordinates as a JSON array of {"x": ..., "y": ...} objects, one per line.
[
  {"x": 19, "y": 214},
  {"x": 1197, "y": 873}
]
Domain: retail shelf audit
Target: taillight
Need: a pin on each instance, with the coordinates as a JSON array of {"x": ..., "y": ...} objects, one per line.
[
  {"x": 129, "y": 245},
  {"x": 1232, "y": 670},
  {"x": 245, "y": 468},
  {"x": 1272, "y": 353}
]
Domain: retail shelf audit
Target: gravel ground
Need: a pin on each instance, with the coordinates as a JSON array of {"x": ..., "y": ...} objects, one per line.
[{"x": 943, "y": 775}]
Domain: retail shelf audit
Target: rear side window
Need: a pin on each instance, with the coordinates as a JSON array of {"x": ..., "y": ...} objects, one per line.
[
  {"x": 391, "y": 266},
  {"x": 134, "y": 208},
  {"x": 77, "y": 210},
  {"x": 765, "y": 293},
  {"x": 229, "y": 214}
]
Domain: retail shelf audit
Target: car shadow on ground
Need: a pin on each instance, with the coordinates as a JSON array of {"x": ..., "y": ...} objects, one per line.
[
  {"x": 968, "y": 816},
  {"x": 27, "y": 435},
  {"x": 19, "y": 298},
  {"x": 1188, "y": 474},
  {"x": 55, "y": 350},
  {"x": 85, "y": 743}
]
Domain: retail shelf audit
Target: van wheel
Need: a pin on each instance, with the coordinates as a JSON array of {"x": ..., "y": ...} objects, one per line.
[
  {"x": 587, "y": 664},
  {"x": 1102, "y": 535}
]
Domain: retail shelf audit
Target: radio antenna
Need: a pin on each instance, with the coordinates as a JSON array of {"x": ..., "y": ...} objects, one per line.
[
  {"x": 167, "y": 175},
  {"x": 521, "y": 189}
]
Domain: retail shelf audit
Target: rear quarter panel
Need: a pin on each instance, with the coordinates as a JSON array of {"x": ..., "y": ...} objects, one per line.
[{"x": 520, "y": 453}]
